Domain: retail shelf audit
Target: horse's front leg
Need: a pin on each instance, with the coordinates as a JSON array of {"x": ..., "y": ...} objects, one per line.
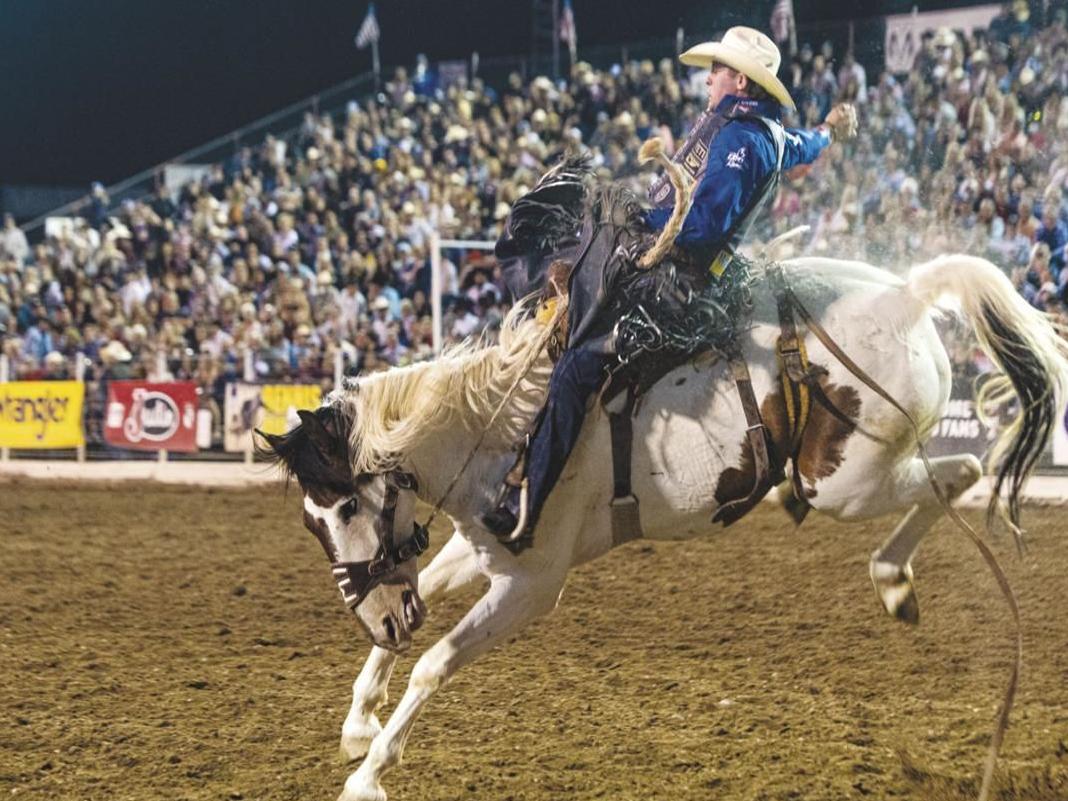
[
  {"x": 451, "y": 569},
  {"x": 513, "y": 600}
]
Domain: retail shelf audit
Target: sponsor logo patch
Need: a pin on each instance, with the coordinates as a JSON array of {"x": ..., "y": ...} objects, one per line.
[{"x": 736, "y": 159}]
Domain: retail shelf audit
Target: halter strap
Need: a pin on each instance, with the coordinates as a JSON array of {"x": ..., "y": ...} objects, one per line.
[{"x": 356, "y": 579}]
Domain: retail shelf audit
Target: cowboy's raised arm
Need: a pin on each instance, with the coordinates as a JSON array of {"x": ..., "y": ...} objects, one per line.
[{"x": 804, "y": 146}]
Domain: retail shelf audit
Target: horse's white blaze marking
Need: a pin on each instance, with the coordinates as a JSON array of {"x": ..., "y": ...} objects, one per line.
[{"x": 348, "y": 549}]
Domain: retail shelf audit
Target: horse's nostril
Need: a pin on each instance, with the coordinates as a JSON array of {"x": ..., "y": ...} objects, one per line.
[
  {"x": 407, "y": 598},
  {"x": 391, "y": 629}
]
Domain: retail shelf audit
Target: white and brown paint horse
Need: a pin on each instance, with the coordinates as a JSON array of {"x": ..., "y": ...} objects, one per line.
[{"x": 388, "y": 439}]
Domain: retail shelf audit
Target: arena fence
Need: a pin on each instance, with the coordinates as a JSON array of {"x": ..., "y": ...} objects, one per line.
[
  {"x": 82, "y": 417},
  {"x": 77, "y": 416}
]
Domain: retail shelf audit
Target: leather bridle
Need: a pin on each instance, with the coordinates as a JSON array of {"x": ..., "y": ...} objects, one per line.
[{"x": 356, "y": 579}]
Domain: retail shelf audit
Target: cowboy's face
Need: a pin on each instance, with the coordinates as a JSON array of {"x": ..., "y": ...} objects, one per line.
[{"x": 723, "y": 81}]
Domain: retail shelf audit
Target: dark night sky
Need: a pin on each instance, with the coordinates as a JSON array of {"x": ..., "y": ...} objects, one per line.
[{"x": 100, "y": 89}]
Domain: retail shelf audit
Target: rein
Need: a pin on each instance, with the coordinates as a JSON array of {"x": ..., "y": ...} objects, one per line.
[
  {"x": 550, "y": 331},
  {"x": 940, "y": 493}
]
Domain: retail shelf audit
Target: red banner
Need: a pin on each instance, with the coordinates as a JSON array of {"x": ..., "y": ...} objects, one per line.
[{"x": 152, "y": 417}]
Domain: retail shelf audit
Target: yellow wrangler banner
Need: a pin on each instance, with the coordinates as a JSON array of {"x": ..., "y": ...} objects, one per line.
[
  {"x": 41, "y": 414},
  {"x": 280, "y": 404}
]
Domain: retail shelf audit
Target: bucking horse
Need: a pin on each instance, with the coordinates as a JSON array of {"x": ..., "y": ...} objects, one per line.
[{"x": 876, "y": 383}]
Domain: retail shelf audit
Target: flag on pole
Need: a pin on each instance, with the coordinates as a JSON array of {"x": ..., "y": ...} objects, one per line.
[
  {"x": 369, "y": 32},
  {"x": 567, "y": 29},
  {"x": 782, "y": 20}
]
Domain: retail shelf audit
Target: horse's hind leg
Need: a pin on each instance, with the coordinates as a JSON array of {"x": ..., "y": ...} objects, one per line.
[
  {"x": 452, "y": 568},
  {"x": 891, "y": 565},
  {"x": 513, "y": 600}
]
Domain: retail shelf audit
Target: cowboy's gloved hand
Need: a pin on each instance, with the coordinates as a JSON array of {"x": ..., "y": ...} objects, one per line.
[{"x": 842, "y": 122}]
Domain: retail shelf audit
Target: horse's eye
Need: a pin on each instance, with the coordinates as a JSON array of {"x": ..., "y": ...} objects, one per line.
[{"x": 349, "y": 508}]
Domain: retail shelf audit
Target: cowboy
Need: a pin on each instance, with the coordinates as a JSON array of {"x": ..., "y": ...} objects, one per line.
[{"x": 735, "y": 154}]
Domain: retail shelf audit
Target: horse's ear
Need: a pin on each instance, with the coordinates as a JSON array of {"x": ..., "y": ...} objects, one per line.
[
  {"x": 272, "y": 440},
  {"x": 324, "y": 440},
  {"x": 271, "y": 447}
]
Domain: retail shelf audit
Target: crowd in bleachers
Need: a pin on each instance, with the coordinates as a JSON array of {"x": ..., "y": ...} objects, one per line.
[{"x": 318, "y": 242}]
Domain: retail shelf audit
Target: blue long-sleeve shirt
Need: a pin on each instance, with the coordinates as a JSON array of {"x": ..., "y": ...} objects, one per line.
[{"x": 740, "y": 159}]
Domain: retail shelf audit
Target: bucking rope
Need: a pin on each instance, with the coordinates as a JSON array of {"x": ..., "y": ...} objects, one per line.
[
  {"x": 943, "y": 498},
  {"x": 653, "y": 150}
]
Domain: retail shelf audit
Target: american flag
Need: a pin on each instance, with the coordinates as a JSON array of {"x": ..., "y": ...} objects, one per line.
[
  {"x": 369, "y": 32},
  {"x": 567, "y": 29},
  {"x": 782, "y": 20}
]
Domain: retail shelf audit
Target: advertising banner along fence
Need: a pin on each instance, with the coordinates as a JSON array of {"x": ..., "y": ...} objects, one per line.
[
  {"x": 152, "y": 417},
  {"x": 272, "y": 408},
  {"x": 1060, "y": 439},
  {"x": 960, "y": 430},
  {"x": 41, "y": 414},
  {"x": 904, "y": 32}
]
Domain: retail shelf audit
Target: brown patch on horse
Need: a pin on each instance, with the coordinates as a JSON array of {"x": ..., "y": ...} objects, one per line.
[
  {"x": 832, "y": 420},
  {"x": 318, "y": 527}
]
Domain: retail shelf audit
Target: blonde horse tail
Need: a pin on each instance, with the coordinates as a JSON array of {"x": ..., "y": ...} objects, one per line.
[{"x": 1028, "y": 348}]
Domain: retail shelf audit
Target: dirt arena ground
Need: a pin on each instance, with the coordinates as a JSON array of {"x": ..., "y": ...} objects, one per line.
[{"x": 165, "y": 642}]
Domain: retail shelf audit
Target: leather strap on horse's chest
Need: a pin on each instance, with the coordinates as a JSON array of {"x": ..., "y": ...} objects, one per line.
[{"x": 626, "y": 524}]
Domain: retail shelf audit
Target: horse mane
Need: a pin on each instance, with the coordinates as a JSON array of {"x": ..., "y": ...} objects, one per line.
[{"x": 391, "y": 411}]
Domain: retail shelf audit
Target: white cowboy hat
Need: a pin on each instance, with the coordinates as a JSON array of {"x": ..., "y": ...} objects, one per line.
[
  {"x": 115, "y": 351},
  {"x": 749, "y": 52},
  {"x": 945, "y": 37}
]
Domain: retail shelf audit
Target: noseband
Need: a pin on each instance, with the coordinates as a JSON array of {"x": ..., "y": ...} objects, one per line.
[{"x": 356, "y": 579}]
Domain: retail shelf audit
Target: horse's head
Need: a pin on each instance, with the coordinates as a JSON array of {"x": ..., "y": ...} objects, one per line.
[{"x": 365, "y": 523}]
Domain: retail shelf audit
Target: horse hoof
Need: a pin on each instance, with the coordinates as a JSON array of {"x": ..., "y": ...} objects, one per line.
[
  {"x": 356, "y": 790},
  {"x": 356, "y": 739},
  {"x": 380, "y": 795},
  {"x": 893, "y": 585}
]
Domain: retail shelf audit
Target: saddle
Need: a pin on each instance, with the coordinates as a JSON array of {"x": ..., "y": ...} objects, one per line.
[
  {"x": 797, "y": 376},
  {"x": 638, "y": 372},
  {"x": 565, "y": 234}
]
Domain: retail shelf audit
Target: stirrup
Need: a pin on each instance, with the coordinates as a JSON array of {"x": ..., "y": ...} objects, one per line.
[{"x": 524, "y": 513}]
